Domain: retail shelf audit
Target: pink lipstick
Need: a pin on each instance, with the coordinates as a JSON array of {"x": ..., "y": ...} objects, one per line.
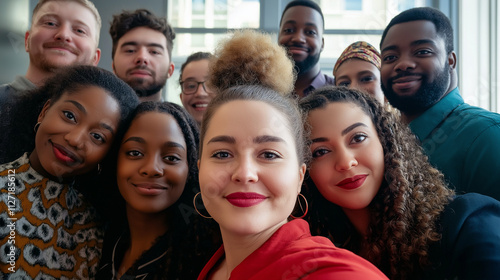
[
  {"x": 244, "y": 199},
  {"x": 353, "y": 182}
]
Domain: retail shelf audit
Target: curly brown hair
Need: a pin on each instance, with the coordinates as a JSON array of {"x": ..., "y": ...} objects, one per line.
[
  {"x": 249, "y": 57},
  {"x": 405, "y": 211}
]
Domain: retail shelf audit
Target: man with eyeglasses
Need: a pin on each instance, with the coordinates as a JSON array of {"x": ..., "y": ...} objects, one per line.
[
  {"x": 142, "y": 51},
  {"x": 195, "y": 93}
]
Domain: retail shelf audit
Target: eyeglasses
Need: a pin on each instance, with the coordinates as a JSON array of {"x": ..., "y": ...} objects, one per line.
[{"x": 191, "y": 86}]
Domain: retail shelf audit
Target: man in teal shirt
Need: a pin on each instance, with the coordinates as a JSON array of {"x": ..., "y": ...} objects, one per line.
[{"x": 419, "y": 78}]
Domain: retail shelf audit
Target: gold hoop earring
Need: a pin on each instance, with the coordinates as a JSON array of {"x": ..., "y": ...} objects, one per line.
[
  {"x": 301, "y": 207},
  {"x": 37, "y": 125},
  {"x": 195, "y": 208}
]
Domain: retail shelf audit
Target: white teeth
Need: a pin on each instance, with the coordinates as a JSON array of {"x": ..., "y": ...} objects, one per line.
[{"x": 200, "y": 105}]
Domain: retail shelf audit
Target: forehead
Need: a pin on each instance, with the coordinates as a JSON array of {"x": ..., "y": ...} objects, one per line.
[
  {"x": 159, "y": 125},
  {"x": 196, "y": 68},
  {"x": 408, "y": 33},
  {"x": 302, "y": 15},
  {"x": 144, "y": 36},
  {"x": 68, "y": 10},
  {"x": 249, "y": 118},
  {"x": 336, "y": 116}
]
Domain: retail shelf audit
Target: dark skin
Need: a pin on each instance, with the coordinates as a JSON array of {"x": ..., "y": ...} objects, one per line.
[
  {"x": 301, "y": 32},
  {"x": 415, "y": 47}
]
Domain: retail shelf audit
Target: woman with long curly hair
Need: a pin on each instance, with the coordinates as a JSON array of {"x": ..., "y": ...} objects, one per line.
[{"x": 373, "y": 191}]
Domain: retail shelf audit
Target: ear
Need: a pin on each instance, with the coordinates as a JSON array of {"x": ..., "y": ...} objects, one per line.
[
  {"x": 97, "y": 57},
  {"x": 113, "y": 66},
  {"x": 26, "y": 41},
  {"x": 302, "y": 172},
  {"x": 171, "y": 68},
  {"x": 45, "y": 108},
  {"x": 322, "y": 43},
  {"x": 452, "y": 60},
  {"x": 198, "y": 164}
]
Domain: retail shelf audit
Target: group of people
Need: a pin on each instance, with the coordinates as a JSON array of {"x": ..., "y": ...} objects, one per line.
[{"x": 270, "y": 169}]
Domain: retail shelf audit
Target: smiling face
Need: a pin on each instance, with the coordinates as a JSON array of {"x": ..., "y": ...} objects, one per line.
[
  {"x": 196, "y": 103},
  {"x": 142, "y": 61},
  {"x": 348, "y": 159},
  {"x": 415, "y": 66},
  {"x": 250, "y": 175},
  {"x": 301, "y": 33},
  {"x": 75, "y": 132},
  {"x": 362, "y": 75},
  {"x": 152, "y": 163},
  {"x": 63, "y": 33}
]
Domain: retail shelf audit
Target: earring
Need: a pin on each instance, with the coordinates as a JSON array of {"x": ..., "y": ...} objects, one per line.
[
  {"x": 99, "y": 169},
  {"x": 301, "y": 207},
  {"x": 194, "y": 203},
  {"x": 36, "y": 126}
]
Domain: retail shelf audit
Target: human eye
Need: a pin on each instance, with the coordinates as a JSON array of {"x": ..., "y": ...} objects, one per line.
[
  {"x": 69, "y": 116},
  {"x": 81, "y": 31},
  {"x": 424, "y": 52},
  {"x": 190, "y": 85},
  {"x": 343, "y": 83},
  {"x": 358, "y": 138},
  {"x": 134, "y": 154},
  {"x": 319, "y": 152},
  {"x": 155, "y": 52},
  {"x": 389, "y": 58},
  {"x": 221, "y": 155},
  {"x": 270, "y": 155},
  {"x": 311, "y": 32},
  {"x": 287, "y": 30},
  {"x": 172, "y": 158},
  {"x": 97, "y": 137},
  {"x": 367, "y": 79}
]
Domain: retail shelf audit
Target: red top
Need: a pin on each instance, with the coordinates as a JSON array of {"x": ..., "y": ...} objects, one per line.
[{"x": 292, "y": 253}]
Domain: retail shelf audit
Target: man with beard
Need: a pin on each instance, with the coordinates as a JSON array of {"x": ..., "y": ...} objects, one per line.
[
  {"x": 301, "y": 33},
  {"x": 142, "y": 51},
  {"x": 419, "y": 78},
  {"x": 62, "y": 33}
]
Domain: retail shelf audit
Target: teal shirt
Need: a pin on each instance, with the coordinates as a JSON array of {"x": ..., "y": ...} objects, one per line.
[{"x": 463, "y": 142}]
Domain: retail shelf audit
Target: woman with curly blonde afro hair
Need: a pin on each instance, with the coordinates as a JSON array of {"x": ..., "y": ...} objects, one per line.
[
  {"x": 251, "y": 58},
  {"x": 372, "y": 191}
]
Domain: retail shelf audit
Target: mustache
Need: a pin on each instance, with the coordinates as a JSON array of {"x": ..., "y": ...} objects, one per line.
[
  {"x": 62, "y": 45},
  {"x": 405, "y": 74},
  {"x": 141, "y": 67}
]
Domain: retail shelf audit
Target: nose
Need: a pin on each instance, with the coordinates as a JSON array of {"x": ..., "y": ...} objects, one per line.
[
  {"x": 298, "y": 37},
  {"x": 405, "y": 63},
  {"x": 152, "y": 167},
  {"x": 201, "y": 90},
  {"x": 345, "y": 160},
  {"x": 142, "y": 56},
  {"x": 63, "y": 33},
  {"x": 245, "y": 171},
  {"x": 75, "y": 138}
]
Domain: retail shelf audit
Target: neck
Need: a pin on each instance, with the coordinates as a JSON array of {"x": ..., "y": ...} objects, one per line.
[
  {"x": 305, "y": 79},
  {"x": 145, "y": 228},
  {"x": 360, "y": 219},
  {"x": 154, "y": 97},
  {"x": 238, "y": 247},
  {"x": 37, "y": 76}
]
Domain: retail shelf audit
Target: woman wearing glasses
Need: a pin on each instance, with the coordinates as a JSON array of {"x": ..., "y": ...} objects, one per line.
[{"x": 194, "y": 72}]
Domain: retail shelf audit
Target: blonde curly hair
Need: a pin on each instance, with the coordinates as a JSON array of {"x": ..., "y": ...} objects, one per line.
[
  {"x": 249, "y": 57},
  {"x": 406, "y": 209}
]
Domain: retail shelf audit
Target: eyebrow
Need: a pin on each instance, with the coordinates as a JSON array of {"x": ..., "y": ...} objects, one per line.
[
  {"x": 414, "y": 43},
  {"x": 133, "y": 43},
  {"x": 84, "y": 111},
  {"x": 256, "y": 140},
  {"x": 169, "y": 144}
]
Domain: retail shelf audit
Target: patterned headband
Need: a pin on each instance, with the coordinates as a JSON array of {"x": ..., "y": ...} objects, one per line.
[{"x": 361, "y": 50}]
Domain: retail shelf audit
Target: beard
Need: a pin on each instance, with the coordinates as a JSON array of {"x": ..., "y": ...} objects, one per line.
[
  {"x": 145, "y": 88},
  {"x": 307, "y": 64},
  {"x": 427, "y": 95}
]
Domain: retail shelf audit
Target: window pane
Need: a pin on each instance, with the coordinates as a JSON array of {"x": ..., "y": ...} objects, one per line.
[
  {"x": 214, "y": 13},
  {"x": 353, "y": 5}
]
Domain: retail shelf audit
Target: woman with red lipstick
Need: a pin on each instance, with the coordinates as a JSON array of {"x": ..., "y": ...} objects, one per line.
[
  {"x": 252, "y": 162},
  {"x": 157, "y": 178},
  {"x": 372, "y": 191},
  {"x": 55, "y": 231}
]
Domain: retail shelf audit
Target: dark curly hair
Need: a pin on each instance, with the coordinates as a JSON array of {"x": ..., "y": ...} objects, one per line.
[
  {"x": 191, "y": 239},
  {"x": 406, "y": 209},
  {"x": 126, "y": 21}
]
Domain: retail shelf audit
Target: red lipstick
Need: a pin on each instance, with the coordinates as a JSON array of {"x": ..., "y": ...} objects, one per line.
[
  {"x": 353, "y": 182},
  {"x": 243, "y": 199}
]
